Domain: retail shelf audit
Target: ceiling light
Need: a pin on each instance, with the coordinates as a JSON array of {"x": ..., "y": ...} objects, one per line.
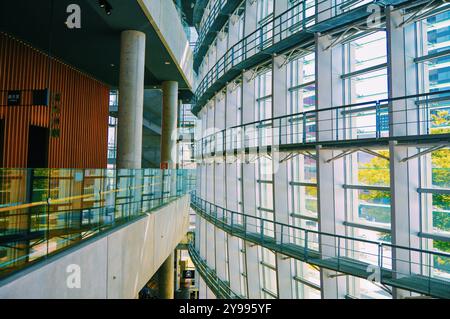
[
  {"x": 167, "y": 62},
  {"x": 108, "y": 9},
  {"x": 102, "y": 3}
]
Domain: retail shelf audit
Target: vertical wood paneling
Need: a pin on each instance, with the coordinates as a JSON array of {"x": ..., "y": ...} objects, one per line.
[{"x": 83, "y": 140}]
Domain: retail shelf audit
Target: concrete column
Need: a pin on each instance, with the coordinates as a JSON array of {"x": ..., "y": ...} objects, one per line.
[
  {"x": 169, "y": 156},
  {"x": 131, "y": 99},
  {"x": 404, "y": 176},
  {"x": 280, "y": 6},
  {"x": 203, "y": 169},
  {"x": 330, "y": 175},
  {"x": 221, "y": 249},
  {"x": 253, "y": 275},
  {"x": 197, "y": 232},
  {"x": 233, "y": 261},
  {"x": 210, "y": 294},
  {"x": 210, "y": 186},
  {"x": 222, "y": 41},
  {"x": 166, "y": 278},
  {"x": 169, "y": 123},
  {"x": 233, "y": 32},
  {"x": 231, "y": 195},
  {"x": 280, "y": 177},
  {"x": 250, "y": 25},
  {"x": 202, "y": 237},
  {"x": 221, "y": 254},
  {"x": 210, "y": 238},
  {"x": 249, "y": 189},
  {"x": 202, "y": 288},
  {"x": 248, "y": 169},
  {"x": 250, "y": 17}
]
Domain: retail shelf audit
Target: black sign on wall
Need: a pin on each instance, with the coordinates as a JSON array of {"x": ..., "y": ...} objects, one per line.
[
  {"x": 14, "y": 98},
  {"x": 41, "y": 97},
  {"x": 188, "y": 274}
]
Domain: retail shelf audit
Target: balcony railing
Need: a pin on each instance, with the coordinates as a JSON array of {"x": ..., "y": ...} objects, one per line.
[
  {"x": 405, "y": 117},
  {"x": 220, "y": 288},
  {"x": 212, "y": 16},
  {"x": 44, "y": 211},
  {"x": 301, "y": 20},
  {"x": 418, "y": 270}
]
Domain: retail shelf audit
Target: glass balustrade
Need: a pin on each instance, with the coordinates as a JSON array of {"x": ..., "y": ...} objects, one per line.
[{"x": 44, "y": 211}]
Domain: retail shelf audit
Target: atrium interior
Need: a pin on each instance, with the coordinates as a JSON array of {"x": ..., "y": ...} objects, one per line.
[{"x": 225, "y": 149}]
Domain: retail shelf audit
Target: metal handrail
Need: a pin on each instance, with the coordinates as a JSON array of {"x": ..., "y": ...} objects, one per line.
[
  {"x": 212, "y": 16},
  {"x": 331, "y": 251},
  {"x": 33, "y": 213},
  {"x": 312, "y": 118},
  {"x": 260, "y": 32},
  {"x": 219, "y": 287}
]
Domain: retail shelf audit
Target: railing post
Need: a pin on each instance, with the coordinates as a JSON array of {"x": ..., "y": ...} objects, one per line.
[
  {"x": 261, "y": 37},
  {"x": 279, "y": 132},
  {"x": 245, "y": 226},
  {"x": 381, "y": 261},
  {"x": 377, "y": 120},
  {"x": 224, "y": 144},
  {"x": 429, "y": 272},
  {"x": 262, "y": 231},
  {"x": 232, "y": 56},
  {"x": 304, "y": 128},
  {"x": 427, "y": 117},
  {"x": 380, "y": 253},
  {"x": 339, "y": 253},
  {"x": 244, "y": 48},
  {"x": 337, "y": 124},
  {"x": 232, "y": 222},
  {"x": 306, "y": 246},
  {"x": 316, "y": 126},
  {"x": 281, "y": 236}
]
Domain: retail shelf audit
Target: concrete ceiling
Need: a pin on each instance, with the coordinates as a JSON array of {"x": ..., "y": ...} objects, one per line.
[{"x": 95, "y": 48}]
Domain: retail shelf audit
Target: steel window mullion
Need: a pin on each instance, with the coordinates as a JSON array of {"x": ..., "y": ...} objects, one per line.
[
  {"x": 440, "y": 191},
  {"x": 367, "y": 227},
  {"x": 364, "y": 71},
  {"x": 367, "y": 187},
  {"x": 306, "y": 282}
]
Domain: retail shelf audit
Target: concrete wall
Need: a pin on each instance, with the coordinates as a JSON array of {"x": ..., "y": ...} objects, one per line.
[
  {"x": 114, "y": 265},
  {"x": 164, "y": 18}
]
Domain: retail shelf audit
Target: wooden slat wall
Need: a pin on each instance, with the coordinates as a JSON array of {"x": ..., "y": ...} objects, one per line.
[{"x": 84, "y": 109}]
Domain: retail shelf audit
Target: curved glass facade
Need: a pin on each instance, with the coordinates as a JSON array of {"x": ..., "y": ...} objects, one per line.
[{"x": 323, "y": 126}]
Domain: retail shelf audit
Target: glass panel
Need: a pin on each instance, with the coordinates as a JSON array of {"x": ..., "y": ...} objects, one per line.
[{"x": 43, "y": 211}]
